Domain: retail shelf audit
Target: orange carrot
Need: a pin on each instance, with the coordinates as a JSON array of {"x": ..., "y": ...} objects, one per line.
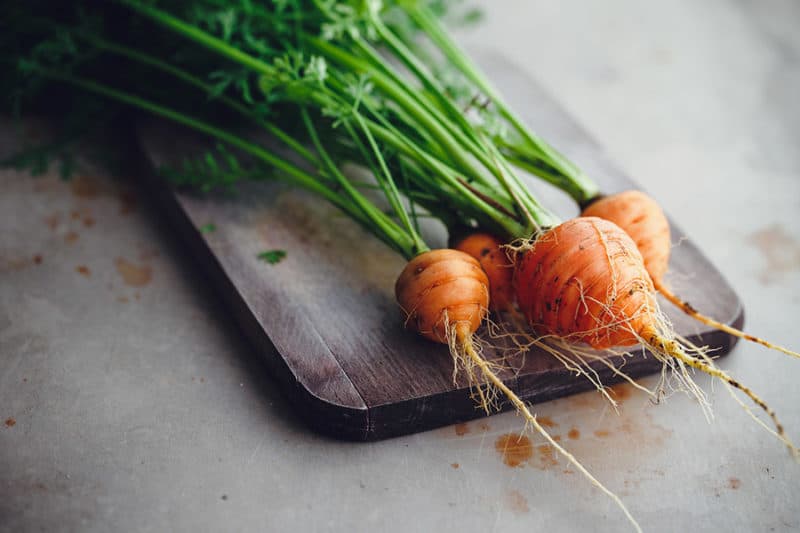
[
  {"x": 585, "y": 281},
  {"x": 443, "y": 292},
  {"x": 445, "y": 296},
  {"x": 642, "y": 218},
  {"x": 487, "y": 249}
]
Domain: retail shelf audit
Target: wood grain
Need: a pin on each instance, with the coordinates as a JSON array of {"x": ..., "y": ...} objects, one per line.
[{"x": 325, "y": 317}]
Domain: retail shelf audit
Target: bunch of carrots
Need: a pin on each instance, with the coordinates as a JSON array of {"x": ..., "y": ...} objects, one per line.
[{"x": 383, "y": 86}]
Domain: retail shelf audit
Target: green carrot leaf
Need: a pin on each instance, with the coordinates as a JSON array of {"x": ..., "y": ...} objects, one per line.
[{"x": 273, "y": 257}]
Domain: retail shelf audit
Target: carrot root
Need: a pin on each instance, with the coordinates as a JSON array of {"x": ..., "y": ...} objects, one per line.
[
  {"x": 687, "y": 308},
  {"x": 472, "y": 359},
  {"x": 674, "y": 349}
]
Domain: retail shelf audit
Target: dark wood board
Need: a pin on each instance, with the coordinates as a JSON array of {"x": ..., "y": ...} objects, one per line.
[{"x": 325, "y": 317}]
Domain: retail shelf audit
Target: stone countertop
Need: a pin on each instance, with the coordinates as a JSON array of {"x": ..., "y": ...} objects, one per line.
[{"x": 129, "y": 401}]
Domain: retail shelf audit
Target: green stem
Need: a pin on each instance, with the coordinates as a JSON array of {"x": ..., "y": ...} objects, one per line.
[
  {"x": 450, "y": 145},
  {"x": 409, "y": 244},
  {"x": 297, "y": 176},
  {"x": 194, "y": 81},
  {"x": 581, "y": 187},
  {"x": 393, "y": 194}
]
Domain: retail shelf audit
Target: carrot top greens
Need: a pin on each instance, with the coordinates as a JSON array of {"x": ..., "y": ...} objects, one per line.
[{"x": 330, "y": 82}]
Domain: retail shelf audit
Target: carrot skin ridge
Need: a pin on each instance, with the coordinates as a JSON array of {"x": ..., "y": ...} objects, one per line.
[{"x": 644, "y": 220}]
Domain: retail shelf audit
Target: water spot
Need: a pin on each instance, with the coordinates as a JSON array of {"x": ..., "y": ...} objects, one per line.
[
  {"x": 517, "y": 502},
  {"x": 734, "y": 483},
  {"x": 779, "y": 249},
  {"x": 515, "y": 449},
  {"x": 574, "y": 434},
  {"x": 455, "y": 465},
  {"x": 71, "y": 237},
  {"x": 83, "y": 270},
  {"x": 132, "y": 274},
  {"x": 224, "y": 497},
  {"x": 10, "y": 422},
  {"x": 461, "y": 429},
  {"x": 546, "y": 421}
]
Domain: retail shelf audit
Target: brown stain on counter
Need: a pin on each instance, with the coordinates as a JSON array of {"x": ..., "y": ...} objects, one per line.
[
  {"x": 574, "y": 434},
  {"x": 546, "y": 421},
  {"x": 84, "y": 186},
  {"x": 547, "y": 456},
  {"x": 621, "y": 391},
  {"x": 780, "y": 250},
  {"x": 52, "y": 221},
  {"x": 514, "y": 449},
  {"x": 517, "y": 502},
  {"x": 10, "y": 422},
  {"x": 127, "y": 202},
  {"x": 461, "y": 429},
  {"x": 83, "y": 270},
  {"x": 133, "y": 274},
  {"x": 734, "y": 483}
]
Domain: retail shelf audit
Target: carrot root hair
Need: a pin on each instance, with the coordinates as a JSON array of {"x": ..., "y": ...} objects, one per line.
[
  {"x": 687, "y": 308},
  {"x": 469, "y": 358},
  {"x": 672, "y": 348},
  {"x": 576, "y": 359},
  {"x": 604, "y": 297}
]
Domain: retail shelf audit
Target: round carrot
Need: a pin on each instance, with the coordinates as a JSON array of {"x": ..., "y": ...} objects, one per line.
[
  {"x": 443, "y": 292},
  {"x": 445, "y": 296},
  {"x": 585, "y": 281},
  {"x": 487, "y": 249},
  {"x": 644, "y": 220}
]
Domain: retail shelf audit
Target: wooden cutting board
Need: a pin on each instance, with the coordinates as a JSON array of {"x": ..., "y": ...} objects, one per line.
[{"x": 325, "y": 317}]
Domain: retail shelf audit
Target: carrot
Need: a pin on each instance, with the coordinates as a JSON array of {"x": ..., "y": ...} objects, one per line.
[
  {"x": 641, "y": 218},
  {"x": 445, "y": 295},
  {"x": 487, "y": 249},
  {"x": 644, "y": 220},
  {"x": 586, "y": 281}
]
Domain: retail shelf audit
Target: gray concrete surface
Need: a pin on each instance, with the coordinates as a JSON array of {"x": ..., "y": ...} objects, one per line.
[{"x": 128, "y": 400}]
